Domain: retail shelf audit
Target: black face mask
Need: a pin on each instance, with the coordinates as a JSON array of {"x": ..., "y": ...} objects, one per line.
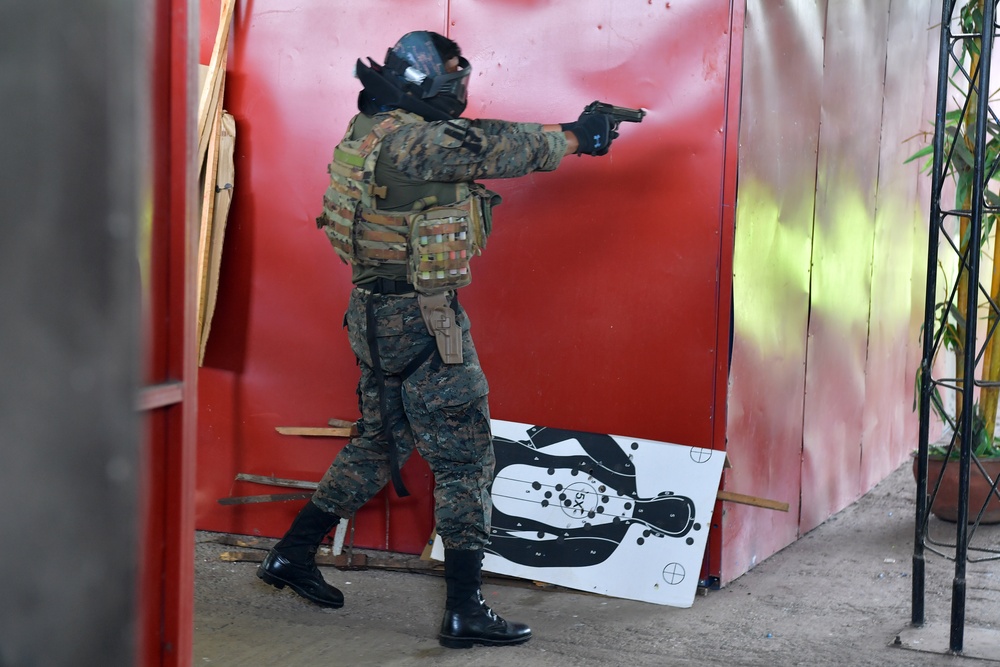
[
  {"x": 446, "y": 92},
  {"x": 451, "y": 84},
  {"x": 383, "y": 91}
]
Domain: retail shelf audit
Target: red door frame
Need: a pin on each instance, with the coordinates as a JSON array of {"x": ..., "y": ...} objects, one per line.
[{"x": 169, "y": 399}]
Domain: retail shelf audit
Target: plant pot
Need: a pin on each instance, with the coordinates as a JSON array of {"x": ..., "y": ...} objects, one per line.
[{"x": 945, "y": 505}]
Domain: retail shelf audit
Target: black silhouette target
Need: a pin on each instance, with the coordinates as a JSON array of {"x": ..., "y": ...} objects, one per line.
[
  {"x": 579, "y": 500},
  {"x": 595, "y": 490},
  {"x": 600, "y": 513}
]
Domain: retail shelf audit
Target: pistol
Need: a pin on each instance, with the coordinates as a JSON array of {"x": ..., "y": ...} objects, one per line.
[{"x": 618, "y": 114}]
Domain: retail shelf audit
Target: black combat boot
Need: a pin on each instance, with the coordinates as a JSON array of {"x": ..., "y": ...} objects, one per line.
[
  {"x": 292, "y": 561},
  {"x": 467, "y": 618}
]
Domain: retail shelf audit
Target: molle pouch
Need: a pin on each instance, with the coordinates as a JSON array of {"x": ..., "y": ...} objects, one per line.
[
  {"x": 357, "y": 233},
  {"x": 340, "y": 202},
  {"x": 441, "y": 247},
  {"x": 482, "y": 214},
  {"x": 380, "y": 238}
]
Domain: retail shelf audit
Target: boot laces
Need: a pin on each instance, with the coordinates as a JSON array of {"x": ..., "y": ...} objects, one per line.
[{"x": 486, "y": 608}]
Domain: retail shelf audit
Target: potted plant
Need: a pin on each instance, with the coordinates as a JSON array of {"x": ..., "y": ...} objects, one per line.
[
  {"x": 942, "y": 458},
  {"x": 951, "y": 318}
]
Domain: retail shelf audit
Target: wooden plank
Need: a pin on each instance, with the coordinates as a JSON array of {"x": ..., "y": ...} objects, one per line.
[
  {"x": 275, "y": 481},
  {"x": 328, "y": 432},
  {"x": 212, "y": 88},
  {"x": 244, "y": 541},
  {"x": 159, "y": 396},
  {"x": 222, "y": 197},
  {"x": 216, "y": 69},
  {"x": 725, "y": 496},
  {"x": 266, "y": 498},
  {"x": 729, "y": 496},
  {"x": 207, "y": 216},
  {"x": 355, "y": 561}
]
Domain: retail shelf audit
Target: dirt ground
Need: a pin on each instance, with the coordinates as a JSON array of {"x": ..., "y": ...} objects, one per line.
[{"x": 841, "y": 595}]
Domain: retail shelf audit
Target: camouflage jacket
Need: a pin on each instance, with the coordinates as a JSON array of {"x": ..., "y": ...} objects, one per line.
[{"x": 423, "y": 158}]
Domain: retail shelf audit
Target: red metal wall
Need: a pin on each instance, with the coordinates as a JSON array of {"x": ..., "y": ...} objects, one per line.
[
  {"x": 598, "y": 304},
  {"x": 828, "y": 260},
  {"x": 169, "y": 399}
]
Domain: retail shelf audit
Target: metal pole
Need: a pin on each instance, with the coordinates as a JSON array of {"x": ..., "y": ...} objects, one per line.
[
  {"x": 958, "y": 597},
  {"x": 918, "y": 586}
]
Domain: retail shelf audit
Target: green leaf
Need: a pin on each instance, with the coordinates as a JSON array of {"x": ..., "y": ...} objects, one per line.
[
  {"x": 963, "y": 153},
  {"x": 988, "y": 221},
  {"x": 938, "y": 404},
  {"x": 963, "y": 186},
  {"x": 926, "y": 150}
]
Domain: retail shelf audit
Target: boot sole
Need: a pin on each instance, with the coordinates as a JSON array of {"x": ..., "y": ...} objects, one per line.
[
  {"x": 465, "y": 642},
  {"x": 272, "y": 580}
]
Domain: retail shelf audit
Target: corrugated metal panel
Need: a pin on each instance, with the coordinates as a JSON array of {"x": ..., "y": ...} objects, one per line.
[
  {"x": 843, "y": 236},
  {"x": 596, "y": 306},
  {"x": 898, "y": 270},
  {"x": 779, "y": 134},
  {"x": 277, "y": 355},
  {"x": 603, "y": 274},
  {"x": 828, "y": 241}
]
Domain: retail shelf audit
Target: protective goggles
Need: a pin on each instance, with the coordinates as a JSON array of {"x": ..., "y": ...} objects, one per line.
[{"x": 451, "y": 84}]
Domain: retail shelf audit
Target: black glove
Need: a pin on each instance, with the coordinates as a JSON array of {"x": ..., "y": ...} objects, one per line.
[{"x": 594, "y": 133}]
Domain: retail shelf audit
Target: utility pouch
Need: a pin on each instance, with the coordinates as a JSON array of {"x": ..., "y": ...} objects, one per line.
[
  {"x": 482, "y": 214},
  {"x": 440, "y": 320}
]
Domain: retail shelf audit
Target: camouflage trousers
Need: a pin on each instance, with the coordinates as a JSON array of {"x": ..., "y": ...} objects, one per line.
[{"x": 439, "y": 410}]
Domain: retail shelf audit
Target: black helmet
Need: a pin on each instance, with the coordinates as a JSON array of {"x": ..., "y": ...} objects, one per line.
[
  {"x": 418, "y": 60},
  {"x": 415, "y": 78}
]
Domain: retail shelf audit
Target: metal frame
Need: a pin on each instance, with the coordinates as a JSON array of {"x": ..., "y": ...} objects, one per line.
[
  {"x": 943, "y": 239},
  {"x": 169, "y": 398}
]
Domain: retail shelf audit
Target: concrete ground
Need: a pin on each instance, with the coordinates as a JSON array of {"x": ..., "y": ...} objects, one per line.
[{"x": 841, "y": 595}]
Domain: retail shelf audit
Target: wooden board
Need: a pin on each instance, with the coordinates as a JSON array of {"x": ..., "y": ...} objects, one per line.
[
  {"x": 355, "y": 561},
  {"x": 219, "y": 192},
  {"x": 318, "y": 431},
  {"x": 275, "y": 481},
  {"x": 208, "y": 201},
  {"x": 209, "y": 96},
  {"x": 729, "y": 496}
]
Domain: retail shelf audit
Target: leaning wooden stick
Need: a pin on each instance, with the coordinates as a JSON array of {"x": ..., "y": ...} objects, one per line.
[
  {"x": 268, "y": 498},
  {"x": 729, "y": 496},
  {"x": 318, "y": 431},
  {"x": 216, "y": 65},
  {"x": 275, "y": 481}
]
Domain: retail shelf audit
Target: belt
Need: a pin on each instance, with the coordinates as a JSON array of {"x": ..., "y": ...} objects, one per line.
[{"x": 387, "y": 286}]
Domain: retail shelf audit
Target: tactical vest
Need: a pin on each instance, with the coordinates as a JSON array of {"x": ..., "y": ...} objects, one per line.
[{"x": 435, "y": 243}]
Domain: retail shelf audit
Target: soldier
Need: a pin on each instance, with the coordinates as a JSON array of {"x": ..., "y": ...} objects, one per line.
[{"x": 403, "y": 210}]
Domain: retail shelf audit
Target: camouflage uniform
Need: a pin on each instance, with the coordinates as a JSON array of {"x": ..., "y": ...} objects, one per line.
[{"x": 439, "y": 409}]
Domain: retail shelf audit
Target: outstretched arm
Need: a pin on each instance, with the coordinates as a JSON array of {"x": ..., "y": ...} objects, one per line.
[
  {"x": 572, "y": 143},
  {"x": 490, "y": 126},
  {"x": 464, "y": 150}
]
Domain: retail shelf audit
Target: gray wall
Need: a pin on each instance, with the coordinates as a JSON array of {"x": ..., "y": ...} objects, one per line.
[{"x": 69, "y": 155}]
